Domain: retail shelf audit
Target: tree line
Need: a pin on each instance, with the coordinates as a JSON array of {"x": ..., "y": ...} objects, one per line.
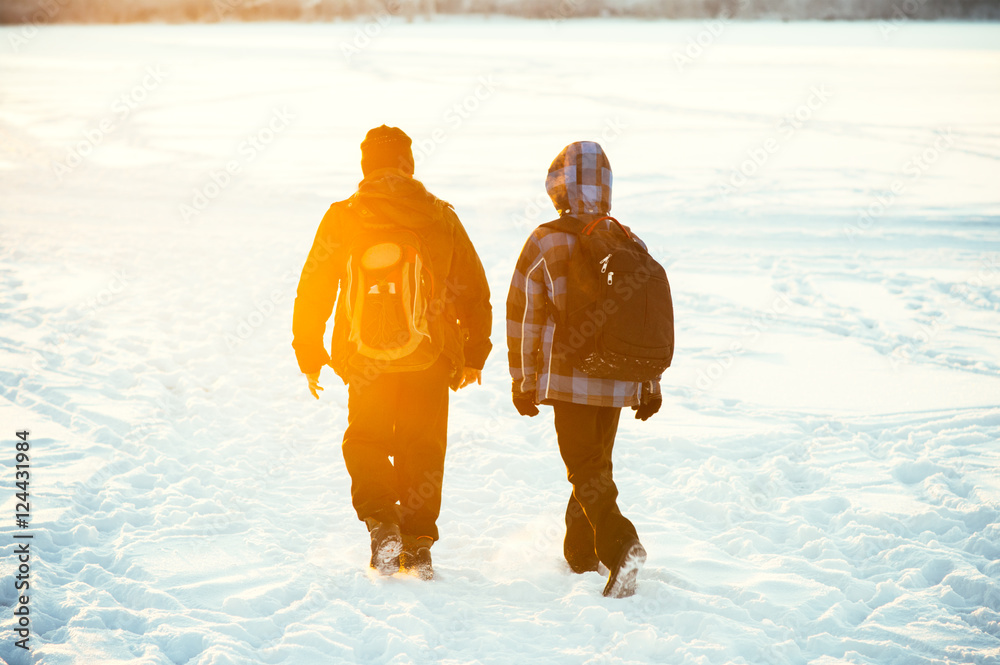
[{"x": 180, "y": 11}]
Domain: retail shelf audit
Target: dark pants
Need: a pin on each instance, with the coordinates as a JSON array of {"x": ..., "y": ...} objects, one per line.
[
  {"x": 403, "y": 415},
  {"x": 595, "y": 527}
]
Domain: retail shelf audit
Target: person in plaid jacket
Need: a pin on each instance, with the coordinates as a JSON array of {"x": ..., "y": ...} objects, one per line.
[{"x": 586, "y": 409}]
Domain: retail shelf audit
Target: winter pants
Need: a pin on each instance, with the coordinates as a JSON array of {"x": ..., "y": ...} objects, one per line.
[
  {"x": 595, "y": 527},
  {"x": 403, "y": 415}
]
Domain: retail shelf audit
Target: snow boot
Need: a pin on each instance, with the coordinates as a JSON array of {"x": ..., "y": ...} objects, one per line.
[
  {"x": 580, "y": 567},
  {"x": 416, "y": 557},
  {"x": 622, "y": 578},
  {"x": 386, "y": 546}
]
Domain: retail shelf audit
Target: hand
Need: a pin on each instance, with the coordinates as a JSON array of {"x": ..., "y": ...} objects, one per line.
[
  {"x": 650, "y": 405},
  {"x": 470, "y": 374},
  {"x": 314, "y": 384},
  {"x": 525, "y": 404}
]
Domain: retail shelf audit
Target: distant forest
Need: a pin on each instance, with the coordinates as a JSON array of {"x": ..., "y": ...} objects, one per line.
[{"x": 178, "y": 11}]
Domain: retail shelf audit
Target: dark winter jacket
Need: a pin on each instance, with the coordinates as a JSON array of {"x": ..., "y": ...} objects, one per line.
[
  {"x": 579, "y": 183},
  {"x": 391, "y": 195}
]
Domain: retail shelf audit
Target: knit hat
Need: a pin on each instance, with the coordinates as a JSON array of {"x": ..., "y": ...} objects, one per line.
[{"x": 386, "y": 147}]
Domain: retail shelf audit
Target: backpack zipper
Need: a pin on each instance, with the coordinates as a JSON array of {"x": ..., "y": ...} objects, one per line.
[{"x": 604, "y": 263}]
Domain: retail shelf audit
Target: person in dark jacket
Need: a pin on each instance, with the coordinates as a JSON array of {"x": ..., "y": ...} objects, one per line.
[
  {"x": 397, "y": 412},
  {"x": 586, "y": 408}
]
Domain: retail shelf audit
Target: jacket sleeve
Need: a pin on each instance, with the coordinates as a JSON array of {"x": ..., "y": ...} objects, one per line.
[
  {"x": 526, "y": 316},
  {"x": 471, "y": 290},
  {"x": 315, "y": 298}
]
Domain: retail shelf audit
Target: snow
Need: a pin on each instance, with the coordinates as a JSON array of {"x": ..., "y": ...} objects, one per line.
[{"x": 819, "y": 488}]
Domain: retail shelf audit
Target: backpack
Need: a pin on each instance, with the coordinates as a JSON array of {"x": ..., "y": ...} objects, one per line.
[
  {"x": 389, "y": 291},
  {"x": 619, "y": 317}
]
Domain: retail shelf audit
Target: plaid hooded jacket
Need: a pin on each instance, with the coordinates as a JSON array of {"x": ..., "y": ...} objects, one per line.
[{"x": 579, "y": 184}]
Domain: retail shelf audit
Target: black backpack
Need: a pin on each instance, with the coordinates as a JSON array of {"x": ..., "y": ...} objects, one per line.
[{"x": 619, "y": 317}]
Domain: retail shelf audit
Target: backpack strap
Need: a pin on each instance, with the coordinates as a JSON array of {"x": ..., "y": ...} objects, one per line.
[
  {"x": 570, "y": 224},
  {"x": 587, "y": 230}
]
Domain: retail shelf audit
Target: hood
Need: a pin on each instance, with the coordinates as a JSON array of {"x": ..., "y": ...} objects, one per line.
[
  {"x": 391, "y": 194},
  {"x": 579, "y": 179}
]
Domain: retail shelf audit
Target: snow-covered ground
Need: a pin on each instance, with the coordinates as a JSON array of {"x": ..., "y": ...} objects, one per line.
[{"x": 820, "y": 487}]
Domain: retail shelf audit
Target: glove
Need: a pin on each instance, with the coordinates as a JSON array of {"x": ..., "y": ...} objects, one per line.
[
  {"x": 645, "y": 410},
  {"x": 525, "y": 404},
  {"x": 650, "y": 400}
]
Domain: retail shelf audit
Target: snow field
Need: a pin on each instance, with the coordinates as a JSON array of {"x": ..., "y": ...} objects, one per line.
[{"x": 820, "y": 486}]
